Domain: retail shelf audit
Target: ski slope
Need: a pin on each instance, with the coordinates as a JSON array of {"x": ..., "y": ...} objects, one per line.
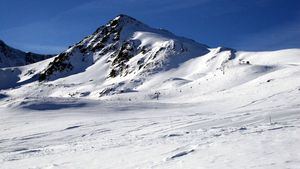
[{"x": 68, "y": 133}]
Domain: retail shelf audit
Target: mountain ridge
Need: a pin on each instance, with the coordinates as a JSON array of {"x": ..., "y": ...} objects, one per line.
[{"x": 11, "y": 57}]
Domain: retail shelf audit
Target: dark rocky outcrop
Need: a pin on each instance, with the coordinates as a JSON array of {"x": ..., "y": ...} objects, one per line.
[{"x": 59, "y": 64}]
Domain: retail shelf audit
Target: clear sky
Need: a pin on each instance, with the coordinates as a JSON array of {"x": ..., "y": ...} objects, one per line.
[{"x": 50, "y": 26}]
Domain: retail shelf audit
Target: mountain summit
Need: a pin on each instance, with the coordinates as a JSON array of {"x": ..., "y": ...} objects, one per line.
[{"x": 127, "y": 47}]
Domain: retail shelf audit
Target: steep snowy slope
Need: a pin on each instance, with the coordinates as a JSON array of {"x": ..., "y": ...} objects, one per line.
[{"x": 10, "y": 57}]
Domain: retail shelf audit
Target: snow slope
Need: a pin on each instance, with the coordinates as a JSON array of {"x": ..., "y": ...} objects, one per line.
[
  {"x": 223, "y": 133},
  {"x": 95, "y": 105}
]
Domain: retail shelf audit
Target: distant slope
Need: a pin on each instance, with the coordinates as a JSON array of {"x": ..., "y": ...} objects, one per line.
[{"x": 10, "y": 57}]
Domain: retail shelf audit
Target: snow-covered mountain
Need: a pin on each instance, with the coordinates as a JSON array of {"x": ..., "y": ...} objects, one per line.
[
  {"x": 127, "y": 56},
  {"x": 129, "y": 47},
  {"x": 123, "y": 53},
  {"x": 10, "y": 57},
  {"x": 131, "y": 96}
]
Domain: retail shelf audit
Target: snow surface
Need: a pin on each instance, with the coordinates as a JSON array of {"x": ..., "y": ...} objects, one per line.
[
  {"x": 220, "y": 109},
  {"x": 224, "y": 133}
]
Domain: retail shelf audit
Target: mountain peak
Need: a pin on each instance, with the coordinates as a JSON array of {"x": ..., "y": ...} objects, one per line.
[
  {"x": 124, "y": 17},
  {"x": 127, "y": 47},
  {"x": 124, "y": 20},
  {"x": 119, "y": 22}
]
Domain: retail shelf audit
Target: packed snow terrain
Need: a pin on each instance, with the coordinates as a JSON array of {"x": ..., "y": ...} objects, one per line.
[{"x": 132, "y": 97}]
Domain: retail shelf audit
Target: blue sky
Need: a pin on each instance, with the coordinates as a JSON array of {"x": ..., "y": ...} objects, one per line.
[{"x": 51, "y": 26}]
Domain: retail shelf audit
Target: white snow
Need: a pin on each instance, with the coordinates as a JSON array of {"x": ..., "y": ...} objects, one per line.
[
  {"x": 55, "y": 133},
  {"x": 232, "y": 120}
]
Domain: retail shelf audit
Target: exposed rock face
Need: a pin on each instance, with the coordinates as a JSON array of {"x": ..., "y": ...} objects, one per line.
[
  {"x": 10, "y": 57},
  {"x": 59, "y": 64}
]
